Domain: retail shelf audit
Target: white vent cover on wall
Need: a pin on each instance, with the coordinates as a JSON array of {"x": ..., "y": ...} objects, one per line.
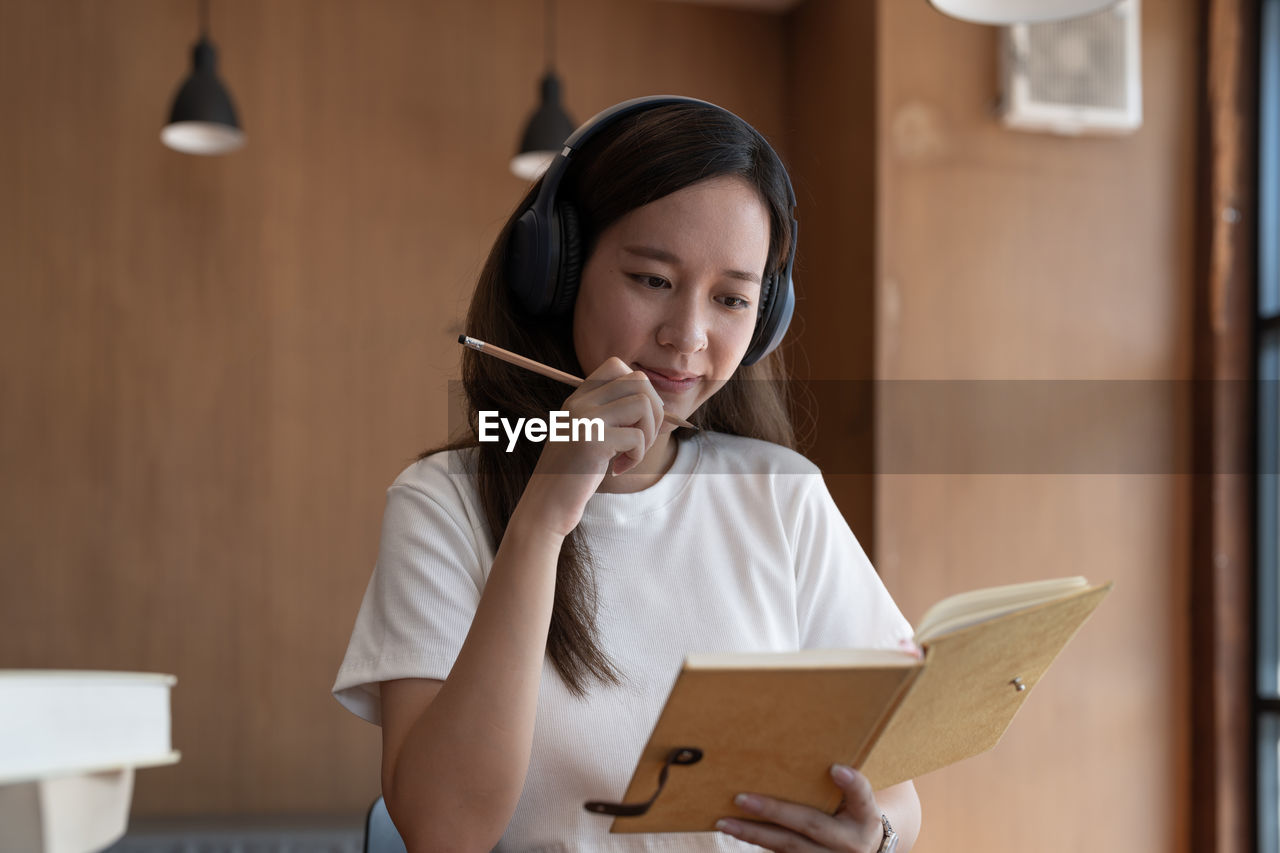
[{"x": 1082, "y": 75}]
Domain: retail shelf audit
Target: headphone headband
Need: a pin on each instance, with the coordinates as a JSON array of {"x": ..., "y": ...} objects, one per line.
[
  {"x": 544, "y": 257},
  {"x": 555, "y": 172}
]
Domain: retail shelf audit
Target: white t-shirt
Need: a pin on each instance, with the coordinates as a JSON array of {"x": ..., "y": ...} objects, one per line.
[{"x": 738, "y": 547}]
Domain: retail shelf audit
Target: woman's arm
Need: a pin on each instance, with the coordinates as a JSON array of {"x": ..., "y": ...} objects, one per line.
[
  {"x": 455, "y": 753},
  {"x": 901, "y": 804}
]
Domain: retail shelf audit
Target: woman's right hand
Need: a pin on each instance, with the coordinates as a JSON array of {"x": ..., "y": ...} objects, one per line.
[{"x": 568, "y": 473}]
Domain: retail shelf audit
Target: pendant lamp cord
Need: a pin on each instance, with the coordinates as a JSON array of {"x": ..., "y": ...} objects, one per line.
[
  {"x": 204, "y": 19},
  {"x": 551, "y": 34}
]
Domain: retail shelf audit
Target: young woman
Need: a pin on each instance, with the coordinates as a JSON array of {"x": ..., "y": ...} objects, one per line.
[{"x": 529, "y": 609}]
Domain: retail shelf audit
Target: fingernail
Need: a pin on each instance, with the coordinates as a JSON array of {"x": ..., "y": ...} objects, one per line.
[
  {"x": 841, "y": 774},
  {"x": 746, "y": 802},
  {"x": 729, "y": 826}
]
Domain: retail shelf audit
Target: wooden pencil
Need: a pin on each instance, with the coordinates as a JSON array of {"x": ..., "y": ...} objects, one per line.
[{"x": 544, "y": 370}]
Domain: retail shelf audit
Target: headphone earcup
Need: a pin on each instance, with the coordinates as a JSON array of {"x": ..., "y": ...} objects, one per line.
[
  {"x": 778, "y": 303},
  {"x": 570, "y": 272},
  {"x": 529, "y": 262}
]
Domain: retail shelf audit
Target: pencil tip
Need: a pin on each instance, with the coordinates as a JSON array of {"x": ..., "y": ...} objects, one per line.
[{"x": 462, "y": 339}]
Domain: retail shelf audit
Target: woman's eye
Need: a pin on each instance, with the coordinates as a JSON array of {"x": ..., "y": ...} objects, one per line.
[
  {"x": 654, "y": 282},
  {"x": 734, "y": 302}
]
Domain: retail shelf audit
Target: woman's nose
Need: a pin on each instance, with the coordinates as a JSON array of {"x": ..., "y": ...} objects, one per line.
[{"x": 684, "y": 329}]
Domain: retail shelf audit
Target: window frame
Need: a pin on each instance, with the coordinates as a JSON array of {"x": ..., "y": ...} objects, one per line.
[
  {"x": 1223, "y": 786},
  {"x": 1266, "y": 695}
]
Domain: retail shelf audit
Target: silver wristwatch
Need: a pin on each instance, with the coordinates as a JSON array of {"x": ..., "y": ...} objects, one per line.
[{"x": 890, "y": 842}]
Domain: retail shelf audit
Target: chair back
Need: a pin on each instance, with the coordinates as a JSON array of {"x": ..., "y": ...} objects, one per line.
[{"x": 380, "y": 834}]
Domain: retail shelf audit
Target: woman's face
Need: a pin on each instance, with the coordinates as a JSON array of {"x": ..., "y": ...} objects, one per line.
[{"x": 672, "y": 288}]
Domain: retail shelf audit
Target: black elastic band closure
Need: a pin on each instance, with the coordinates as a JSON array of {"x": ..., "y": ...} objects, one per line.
[{"x": 679, "y": 755}]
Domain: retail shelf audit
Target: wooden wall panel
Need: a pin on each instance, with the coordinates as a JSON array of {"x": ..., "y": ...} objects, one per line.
[
  {"x": 831, "y": 107},
  {"x": 1007, "y": 255},
  {"x": 213, "y": 367}
]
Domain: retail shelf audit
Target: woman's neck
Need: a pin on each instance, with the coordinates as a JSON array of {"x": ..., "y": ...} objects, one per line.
[{"x": 657, "y": 461}]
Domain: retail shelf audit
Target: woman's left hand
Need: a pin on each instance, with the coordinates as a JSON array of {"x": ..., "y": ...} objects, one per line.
[{"x": 782, "y": 826}]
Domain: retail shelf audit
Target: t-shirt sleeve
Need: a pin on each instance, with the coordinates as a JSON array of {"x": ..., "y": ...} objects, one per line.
[
  {"x": 840, "y": 600},
  {"x": 420, "y": 601}
]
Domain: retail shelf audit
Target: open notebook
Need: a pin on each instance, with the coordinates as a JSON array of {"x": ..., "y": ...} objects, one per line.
[{"x": 775, "y": 723}]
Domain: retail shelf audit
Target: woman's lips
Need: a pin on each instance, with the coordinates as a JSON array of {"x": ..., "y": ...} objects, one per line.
[{"x": 677, "y": 384}]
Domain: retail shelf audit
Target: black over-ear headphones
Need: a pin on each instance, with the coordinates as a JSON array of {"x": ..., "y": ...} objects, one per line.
[{"x": 544, "y": 257}]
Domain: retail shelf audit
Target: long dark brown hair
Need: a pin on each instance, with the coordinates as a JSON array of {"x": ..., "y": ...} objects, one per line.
[{"x": 641, "y": 158}]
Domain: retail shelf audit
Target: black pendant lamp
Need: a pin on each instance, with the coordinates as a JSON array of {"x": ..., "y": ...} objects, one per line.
[
  {"x": 549, "y": 126},
  {"x": 203, "y": 119}
]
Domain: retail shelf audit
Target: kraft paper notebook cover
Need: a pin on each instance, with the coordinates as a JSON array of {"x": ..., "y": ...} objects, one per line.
[{"x": 775, "y": 723}]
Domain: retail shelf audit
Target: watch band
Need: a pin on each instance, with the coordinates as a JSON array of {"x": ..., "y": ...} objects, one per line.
[{"x": 890, "y": 842}]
